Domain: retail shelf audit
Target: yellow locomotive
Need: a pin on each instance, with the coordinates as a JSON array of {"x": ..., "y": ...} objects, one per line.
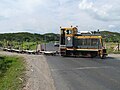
[{"x": 73, "y": 43}]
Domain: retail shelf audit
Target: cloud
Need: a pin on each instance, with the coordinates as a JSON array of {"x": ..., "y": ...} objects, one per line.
[
  {"x": 111, "y": 26},
  {"x": 27, "y": 14},
  {"x": 16, "y": 7},
  {"x": 43, "y": 16},
  {"x": 115, "y": 28},
  {"x": 104, "y": 11},
  {"x": 86, "y": 5}
]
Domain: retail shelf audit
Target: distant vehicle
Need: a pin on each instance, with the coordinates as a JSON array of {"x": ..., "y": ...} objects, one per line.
[
  {"x": 84, "y": 44},
  {"x": 56, "y": 44}
]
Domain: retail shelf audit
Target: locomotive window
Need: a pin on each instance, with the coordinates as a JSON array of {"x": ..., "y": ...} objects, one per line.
[
  {"x": 68, "y": 31},
  {"x": 94, "y": 42},
  {"x": 86, "y": 42},
  {"x": 80, "y": 42}
]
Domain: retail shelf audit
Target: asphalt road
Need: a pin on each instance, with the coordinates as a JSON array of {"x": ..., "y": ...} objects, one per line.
[{"x": 85, "y": 73}]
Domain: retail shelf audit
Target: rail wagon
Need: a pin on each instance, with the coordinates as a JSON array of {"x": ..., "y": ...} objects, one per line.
[{"x": 84, "y": 43}]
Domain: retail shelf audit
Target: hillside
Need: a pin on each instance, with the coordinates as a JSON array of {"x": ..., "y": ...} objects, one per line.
[
  {"x": 32, "y": 37},
  {"x": 29, "y": 37},
  {"x": 111, "y": 36}
]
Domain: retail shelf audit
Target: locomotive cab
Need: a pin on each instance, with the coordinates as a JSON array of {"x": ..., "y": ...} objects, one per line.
[
  {"x": 67, "y": 35},
  {"x": 67, "y": 39}
]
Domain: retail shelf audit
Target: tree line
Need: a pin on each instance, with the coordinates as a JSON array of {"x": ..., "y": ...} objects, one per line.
[
  {"x": 34, "y": 37},
  {"x": 111, "y": 36},
  {"x": 29, "y": 37}
]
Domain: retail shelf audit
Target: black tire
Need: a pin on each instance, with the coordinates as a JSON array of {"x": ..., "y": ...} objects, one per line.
[{"x": 102, "y": 56}]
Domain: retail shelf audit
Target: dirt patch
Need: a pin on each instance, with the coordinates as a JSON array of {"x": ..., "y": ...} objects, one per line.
[{"x": 38, "y": 72}]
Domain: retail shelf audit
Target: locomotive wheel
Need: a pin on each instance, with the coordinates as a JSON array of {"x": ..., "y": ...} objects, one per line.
[
  {"x": 102, "y": 56},
  {"x": 63, "y": 55}
]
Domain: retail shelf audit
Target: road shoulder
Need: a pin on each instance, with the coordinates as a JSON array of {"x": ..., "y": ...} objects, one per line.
[{"x": 38, "y": 75}]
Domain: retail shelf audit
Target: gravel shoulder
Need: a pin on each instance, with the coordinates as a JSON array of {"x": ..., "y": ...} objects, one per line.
[
  {"x": 38, "y": 75},
  {"x": 114, "y": 55}
]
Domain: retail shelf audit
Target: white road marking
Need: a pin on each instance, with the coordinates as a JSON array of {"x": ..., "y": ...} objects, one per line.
[{"x": 82, "y": 68}]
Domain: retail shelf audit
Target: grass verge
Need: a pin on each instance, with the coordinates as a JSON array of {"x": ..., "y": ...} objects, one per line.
[
  {"x": 111, "y": 48},
  {"x": 11, "y": 72}
]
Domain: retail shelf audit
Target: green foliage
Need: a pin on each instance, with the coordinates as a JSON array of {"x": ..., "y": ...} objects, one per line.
[
  {"x": 11, "y": 70},
  {"x": 117, "y": 52},
  {"x": 51, "y": 37},
  {"x": 28, "y": 37},
  {"x": 111, "y": 36},
  {"x": 29, "y": 45},
  {"x": 111, "y": 47},
  {"x": 34, "y": 37},
  {"x": 25, "y": 40}
]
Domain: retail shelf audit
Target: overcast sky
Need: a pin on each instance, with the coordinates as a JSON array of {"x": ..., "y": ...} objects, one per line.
[{"x": 43, "y": 16}]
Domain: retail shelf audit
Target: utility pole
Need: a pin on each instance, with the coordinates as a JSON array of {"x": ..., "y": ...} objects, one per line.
[
  {"x": 22, "y": 45},
  {"x": 19, "y": 46},
  {"x": 45, "y": 42},
  {"x": 27, "y": 44},
  {"x": 36, "y": 43},
  {"x": 118, "y": 45},
  {"x": 36, "y": 46},
  {"x": 4, "y": 43}
]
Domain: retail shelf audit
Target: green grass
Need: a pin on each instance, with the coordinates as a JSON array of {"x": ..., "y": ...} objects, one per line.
[
  {"x": 110, "y": 48},
  {"x": 11, "y": 72},
  {"x": 116, "y": 52},
  {"x": 29, "y": 45},
  {"x": 19, "y": 45}
]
